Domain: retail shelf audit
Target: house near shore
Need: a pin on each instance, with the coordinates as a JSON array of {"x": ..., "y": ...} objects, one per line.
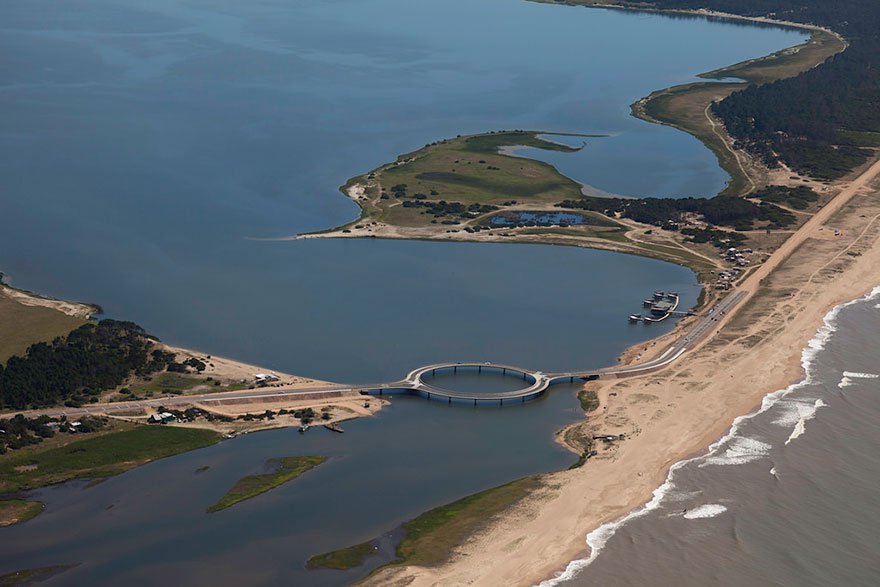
[
  {"x": 263, "y": 378},
  {"x": 162, "y": 418}
]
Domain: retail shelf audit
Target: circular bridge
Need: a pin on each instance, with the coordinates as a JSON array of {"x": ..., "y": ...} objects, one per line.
[{"x": 534, "y": 383}]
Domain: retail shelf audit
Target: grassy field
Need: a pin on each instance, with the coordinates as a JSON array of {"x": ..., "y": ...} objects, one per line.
[
  {"x": 288, "y": 468},
  {"x": 31, "y": 576},
  {"x": 469, "y": 170},
  {"x": 98, "y": 456},
  {"x": 431, "y": 538},
  {"x": 22, "y": 326},
  {"x": 589, "y": 400},
  {"x": 342, "y": 559},
  {"x": 177, "y": 383},
  {"x": 17, "y": 511}
]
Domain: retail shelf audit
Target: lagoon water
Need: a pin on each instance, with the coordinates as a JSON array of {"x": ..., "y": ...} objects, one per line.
[
  {"x": 142, "y": 144},
  {"x": 147, "y": 150}
]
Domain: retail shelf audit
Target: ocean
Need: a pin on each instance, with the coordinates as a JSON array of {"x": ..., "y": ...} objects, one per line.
[{"x": 788, "y": 498}]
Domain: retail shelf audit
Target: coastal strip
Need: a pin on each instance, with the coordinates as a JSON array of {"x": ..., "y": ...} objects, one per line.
[{"x": 674, "y": 414}]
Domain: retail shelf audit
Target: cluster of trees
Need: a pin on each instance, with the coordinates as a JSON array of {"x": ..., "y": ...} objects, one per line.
[
  {"x": 73, "y": 369},
  {"x": 20, "y": 431},
  {"x": 819, "y": 121},
  {"x": 444, "y": 208},
  {"x": 722, "y": 239},
  {"x": 799, "y": 198},
  {"x": 737, "y": 213}
]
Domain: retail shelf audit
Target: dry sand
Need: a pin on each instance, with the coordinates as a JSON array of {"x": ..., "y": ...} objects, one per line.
[
  {"x": 26, "y": 298},
  {"x": 676, "y": 413},
  {"x": 227, "y": 369}
]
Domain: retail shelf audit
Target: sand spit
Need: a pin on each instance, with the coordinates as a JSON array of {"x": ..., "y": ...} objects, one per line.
[{"x": 674, "y": 414}]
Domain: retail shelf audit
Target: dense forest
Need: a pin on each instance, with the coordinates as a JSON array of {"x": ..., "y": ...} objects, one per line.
[
  {"x": 817, "y": 123},
  {"x": 737, "y": 213},
  {"x": 76, "y": 368}
]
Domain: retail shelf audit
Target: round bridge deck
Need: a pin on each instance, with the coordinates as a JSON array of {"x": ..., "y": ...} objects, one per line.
[{"x": 535, "y": 383}]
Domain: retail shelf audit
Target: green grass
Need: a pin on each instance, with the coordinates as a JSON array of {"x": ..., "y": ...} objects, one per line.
[
  {"x": 342, "y": 559},
  {"x": 288, "y": 468},
  {"x": 100, "y": 456},
  {"x": 492, "y": 142},
  {"x": 18, "y": 511},
  {"x": 430, "y": 538},
  {"x": 589, "y": 400},
  {"x": 22, "y": 326},
  {"x": 467, "y": 169},
  {"x": 170, "y": 383},
  {"x": 31, "y": 576}
]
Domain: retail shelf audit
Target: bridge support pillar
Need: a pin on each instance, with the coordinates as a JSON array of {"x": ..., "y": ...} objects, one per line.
[
  {"x": 504, "y": 371},
  {"x": 475, "y": 402},
  {"x": 455, "y": 369},
  {"x": 450, "y": 399},
  {"x": 571, "y": 380},
  {"x": 479, "y": 368}
]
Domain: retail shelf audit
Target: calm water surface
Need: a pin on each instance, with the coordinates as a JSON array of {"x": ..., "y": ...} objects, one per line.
[
  {"x": 144, "y": 142},
  {"x": 143, "y": 145}
]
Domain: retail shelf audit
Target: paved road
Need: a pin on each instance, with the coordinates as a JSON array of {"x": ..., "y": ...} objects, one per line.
[{"x": 417, "y": 381}]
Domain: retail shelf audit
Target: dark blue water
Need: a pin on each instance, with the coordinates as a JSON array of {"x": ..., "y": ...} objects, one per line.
[
  {"x": 143, "y": 143},
  {"x": 541, "y": 218}
]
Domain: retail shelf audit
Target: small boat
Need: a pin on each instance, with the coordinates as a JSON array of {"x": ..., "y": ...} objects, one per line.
[
  {"x": 635, "y": 317},
  {"x": 303, "y": 428}
]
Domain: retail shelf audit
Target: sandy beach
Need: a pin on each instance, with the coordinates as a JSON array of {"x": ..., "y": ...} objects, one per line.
[{"x": 676, "y": 413}]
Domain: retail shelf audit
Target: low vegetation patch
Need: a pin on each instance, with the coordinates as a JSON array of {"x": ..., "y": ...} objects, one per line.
[
  {"x": 98, "y": 457},
  {"x": 431, "y": 538},
  {"x": 31, "y": 576},
  {"x": 342, "y": 559},
  {"x": 589, "y": 400},
  {"x": 286, "y": 469},
  {"x": 799, "y": 198},
  {"x": 17, "y": 511}
]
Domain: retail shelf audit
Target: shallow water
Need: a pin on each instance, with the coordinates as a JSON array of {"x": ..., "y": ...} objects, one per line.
[{"x": 788, "y": 499}]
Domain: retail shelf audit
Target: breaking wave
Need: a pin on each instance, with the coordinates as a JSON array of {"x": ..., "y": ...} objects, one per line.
[{"x": 731, "y": 449}]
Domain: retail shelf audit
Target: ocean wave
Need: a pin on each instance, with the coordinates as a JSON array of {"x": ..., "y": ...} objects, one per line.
[
  {"x": 739, "y": 451},
  {"x": 848, "y": 377},
  {"x": 598, "y": 538},
  {"x": 709, "y": 510},
  {"x": 801, "y": 425},
  {"x": 791, "y": 411},
  {"x": 856, "y": 375}
]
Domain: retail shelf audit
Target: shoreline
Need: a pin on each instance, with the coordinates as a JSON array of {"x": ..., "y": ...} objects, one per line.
[{"x": 674, "y": 415}]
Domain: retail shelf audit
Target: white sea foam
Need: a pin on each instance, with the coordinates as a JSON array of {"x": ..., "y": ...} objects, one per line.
[
  {"x": 801, "y": 425},
  {"x": 848, "y": 377},
  {"x": 597, "y": 539},
  {"x": 710, "y": 510},
  {"x": 856, "y": 375},
  {"x": 739, "y": 451},
  {"x": 792, "y": 410}
]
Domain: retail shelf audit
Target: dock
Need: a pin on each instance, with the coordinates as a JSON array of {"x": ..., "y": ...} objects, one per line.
[
  {"x": 662, "y": 305},
  {"x": 334, "y": 427}
]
